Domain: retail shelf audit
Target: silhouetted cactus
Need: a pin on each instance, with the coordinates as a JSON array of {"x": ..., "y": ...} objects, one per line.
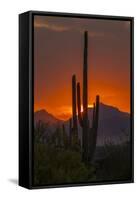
[
  {"x": 70, "y": 132},
  {"x": 74, "y": 104},
  {"x": 73, "y": 129},
  {"x": 93, "y": 130},
  {"x": 79, "y": 104},
  {"x": 85, "y": 98},
  {"x": 89, "y": 135}
]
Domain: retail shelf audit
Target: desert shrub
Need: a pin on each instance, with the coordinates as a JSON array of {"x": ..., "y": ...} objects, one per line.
[
  {"x": 116, "y": 164},
  {"x": 57, "y": 166}
]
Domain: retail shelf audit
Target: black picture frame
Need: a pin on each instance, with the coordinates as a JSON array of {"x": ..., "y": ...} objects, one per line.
[{"x": 26, "y": 96}]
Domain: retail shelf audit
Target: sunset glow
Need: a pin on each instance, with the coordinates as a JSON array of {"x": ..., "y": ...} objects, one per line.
[{"x": 58, "y": 49}]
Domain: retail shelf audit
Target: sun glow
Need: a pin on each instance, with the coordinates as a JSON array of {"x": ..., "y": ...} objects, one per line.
[
  {"x": 65, "y": 112},
  {"x": 89, "y": 106}
]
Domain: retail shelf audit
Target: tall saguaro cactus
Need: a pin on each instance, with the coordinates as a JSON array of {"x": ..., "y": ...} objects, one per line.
[
  {"x": 89, "y": 135},
  {"x": 85, "y": 98}
]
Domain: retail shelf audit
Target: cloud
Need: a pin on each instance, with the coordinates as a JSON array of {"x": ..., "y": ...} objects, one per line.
[
  {"x": 97, "y": 28},
  {"x": 53, "y": 27},
  {"x": 62, "y": 25}
]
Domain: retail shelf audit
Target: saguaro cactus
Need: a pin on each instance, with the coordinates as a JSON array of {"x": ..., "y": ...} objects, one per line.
[
  {"x": 70, "y": 131},
  {"x": 85, "y": 98},
  {"x": 93, "y": 130},
  {"x": 73, "y": 123},
  {"x": 89, "y": 135},
  {"x": 74, "y": 104}
]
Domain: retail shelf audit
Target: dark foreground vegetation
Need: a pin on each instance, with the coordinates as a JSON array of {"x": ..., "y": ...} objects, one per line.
[{"x": 55, "y": 162}]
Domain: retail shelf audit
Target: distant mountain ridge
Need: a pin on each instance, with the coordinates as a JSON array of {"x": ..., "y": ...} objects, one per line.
[
  {"x": 114, "y": 125},
  {"x": 46, "y": 117}
]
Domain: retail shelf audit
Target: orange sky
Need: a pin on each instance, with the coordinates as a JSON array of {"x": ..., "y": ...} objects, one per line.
[{"x": 58, "y": 54}]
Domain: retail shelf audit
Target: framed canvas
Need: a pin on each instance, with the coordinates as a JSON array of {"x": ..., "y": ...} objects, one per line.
[{"x": 75, "y": 99}]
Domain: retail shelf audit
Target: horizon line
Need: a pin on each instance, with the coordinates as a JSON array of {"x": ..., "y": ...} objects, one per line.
[{"x": 59, "y": 118}]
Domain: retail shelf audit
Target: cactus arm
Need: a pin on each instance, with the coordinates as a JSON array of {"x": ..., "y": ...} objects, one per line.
[
  {"x": 93, "y": 116},
  {"x": 70, "y": 131},
  {"x": 97, "y": 112},
  {"x": 74, "y": 112},
  {"x": 79, "y": 105},
  {"x": 93, "y": 130}
]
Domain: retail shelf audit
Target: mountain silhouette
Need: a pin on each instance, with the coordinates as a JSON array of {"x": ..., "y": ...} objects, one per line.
[
  {"x": 114, "y": 125},
  {"x": 44, "y": 116}
]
